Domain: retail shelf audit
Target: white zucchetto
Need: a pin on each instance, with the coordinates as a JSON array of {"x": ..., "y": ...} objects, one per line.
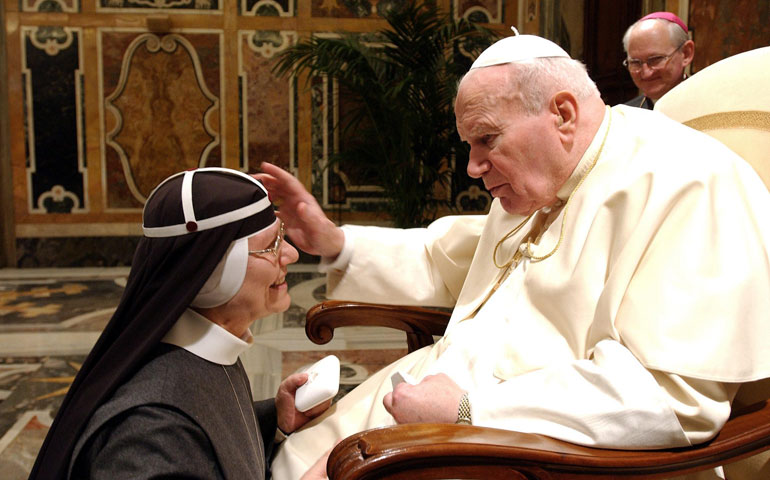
[{"x": 518, "y": 48}]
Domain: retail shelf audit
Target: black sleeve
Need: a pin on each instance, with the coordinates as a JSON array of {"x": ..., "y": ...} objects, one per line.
[{"x": 148, "y": 442}]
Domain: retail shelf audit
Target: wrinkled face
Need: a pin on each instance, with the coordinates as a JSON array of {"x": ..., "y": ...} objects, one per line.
[
  {"x": 264, "y": 290},
  {"x": 517, "y": 155},
  {"x": 651, "y": 39}
]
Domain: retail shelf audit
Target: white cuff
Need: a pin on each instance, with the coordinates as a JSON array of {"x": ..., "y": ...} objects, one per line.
[
  {"x": 340, "y": 262},
  {"x": 279, "y": 435}
]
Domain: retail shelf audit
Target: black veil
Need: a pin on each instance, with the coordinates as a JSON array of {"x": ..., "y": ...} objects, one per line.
[{"x": 167, "y": 272}]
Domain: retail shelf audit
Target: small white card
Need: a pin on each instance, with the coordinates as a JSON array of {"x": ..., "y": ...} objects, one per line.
[
  {"x": 322, "y": 384},
  {"x": 399, "y": 377}
]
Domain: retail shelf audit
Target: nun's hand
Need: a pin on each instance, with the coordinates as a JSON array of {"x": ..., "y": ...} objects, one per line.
[
  {"x": 318, "y": 470},
  {"x": 307, "y": 225},
  {"x": 289, "y": 418}
]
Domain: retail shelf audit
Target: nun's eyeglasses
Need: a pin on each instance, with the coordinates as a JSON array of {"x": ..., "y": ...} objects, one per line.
[{"x": 274, "y": 248}]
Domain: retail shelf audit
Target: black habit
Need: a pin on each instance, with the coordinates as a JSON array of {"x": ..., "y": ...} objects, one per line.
[{"x": 190, "y": 221}]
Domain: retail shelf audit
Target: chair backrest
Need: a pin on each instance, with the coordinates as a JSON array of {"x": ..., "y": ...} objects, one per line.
[{"x": 729, "y": 100}]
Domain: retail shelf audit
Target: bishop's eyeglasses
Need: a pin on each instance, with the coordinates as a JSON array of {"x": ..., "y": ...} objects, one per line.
[
  {"x": 654, "y": 62},
  {"x": 276, "y": 246}
]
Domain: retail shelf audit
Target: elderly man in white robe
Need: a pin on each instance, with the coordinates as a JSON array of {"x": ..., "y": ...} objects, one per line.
[{"x": 615, "y": 295}]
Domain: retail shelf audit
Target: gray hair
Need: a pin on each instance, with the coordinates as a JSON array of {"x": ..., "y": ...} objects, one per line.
[
  {"x": 535, "y": 81},
  {"x": 675, "y": 32}
]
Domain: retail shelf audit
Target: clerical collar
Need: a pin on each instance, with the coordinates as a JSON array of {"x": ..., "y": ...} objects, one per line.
[
  {"x": 207, "y": 340},
  {"x": 587, "y": 160}
]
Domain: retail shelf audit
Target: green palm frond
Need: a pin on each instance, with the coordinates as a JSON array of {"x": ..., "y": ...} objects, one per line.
[{"x": 402, "y": 81}]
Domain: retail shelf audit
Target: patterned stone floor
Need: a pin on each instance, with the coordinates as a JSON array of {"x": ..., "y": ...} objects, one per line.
[{"x": 50, "y": 318}]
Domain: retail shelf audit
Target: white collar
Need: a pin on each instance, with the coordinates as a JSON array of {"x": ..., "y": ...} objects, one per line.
[
  {"x": 207, "y": 340},
  {"x": 587, "y": 160}
]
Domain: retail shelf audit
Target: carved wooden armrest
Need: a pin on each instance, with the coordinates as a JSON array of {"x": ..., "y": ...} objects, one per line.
[
  {"x": 420, "y": 324},
  {"x": 432, "y": 451}
]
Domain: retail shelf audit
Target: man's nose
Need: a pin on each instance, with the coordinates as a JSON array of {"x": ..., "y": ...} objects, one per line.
[
  {"x": 646, "y": 71},
  {"x": 478, "y": 165}
]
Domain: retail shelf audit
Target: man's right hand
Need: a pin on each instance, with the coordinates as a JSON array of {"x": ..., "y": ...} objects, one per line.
[
  {"x": 306, "y": 223},
  {"x": 434, "y": 400}
]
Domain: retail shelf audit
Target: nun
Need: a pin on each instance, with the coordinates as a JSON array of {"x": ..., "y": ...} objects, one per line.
[{"x": 163, "y": 393}]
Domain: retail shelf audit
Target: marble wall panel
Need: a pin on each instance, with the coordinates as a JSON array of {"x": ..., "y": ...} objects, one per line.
[
  {"x": 337, "y": 186},
  {"x": 267, "y": 103},
  {"x": 162, "y": 109},
  {"x": 192, "y": 6},
  {"x": 50, "y": 5},
  {"x": 342, "y": 187},
  {"x": 267, "y": 8},
  {"x": 743, "y": 25},
  {"x": 53, "y": 92},
  {"x": 96, "y": 80},
  {"x": 353, "y": 8},
  {"x": 75, "y": 252},
  {"x": 479, "y": 11}
]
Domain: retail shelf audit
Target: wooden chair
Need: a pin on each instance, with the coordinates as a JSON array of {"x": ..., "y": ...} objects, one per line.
[
  {"x": 429, "y": 451},
  {"x": 433, "y": 451}
]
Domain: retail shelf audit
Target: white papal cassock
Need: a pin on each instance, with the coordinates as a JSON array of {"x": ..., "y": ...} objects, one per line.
[{"x": 635, "y": 333}]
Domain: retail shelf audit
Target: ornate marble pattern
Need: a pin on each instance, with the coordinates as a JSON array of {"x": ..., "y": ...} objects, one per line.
[
  {"x": 341, "y": 186},
  {"x": 163, "y": 111},
  {"x": 50, "y": 5},
  {"x": 344, "y": 187},
  {"x": 175, "y": 5},
  {"x": 63, "y": 252},
  {"x": 53, "y": 93},
  {"x": 749, "y": 17},
  {"x": 267, "y": 8},
  {"x": 268, "y": 117},
  {"x": 479, "y": 11},
  {"x": 108, "y": 97},
  {"x": 56, "y": 305},
  {"x": 35, "y": 388},
  {"x": 352, "y": 8}
]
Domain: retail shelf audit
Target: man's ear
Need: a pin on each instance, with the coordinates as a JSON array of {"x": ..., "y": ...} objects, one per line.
[
  {"x": 688, "y": 52},
  {"x": 564, "y": 106}
]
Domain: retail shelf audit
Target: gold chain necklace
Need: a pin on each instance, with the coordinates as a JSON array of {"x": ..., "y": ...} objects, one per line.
[{"x": 518, "y": 254}]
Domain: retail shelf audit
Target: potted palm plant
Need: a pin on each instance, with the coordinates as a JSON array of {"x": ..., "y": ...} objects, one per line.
[{"x": 402, "y": 122}]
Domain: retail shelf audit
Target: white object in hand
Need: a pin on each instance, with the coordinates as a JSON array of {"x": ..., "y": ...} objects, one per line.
[
  {"x": 399, "y": 377},
  {"x": 323, "y": 383}
]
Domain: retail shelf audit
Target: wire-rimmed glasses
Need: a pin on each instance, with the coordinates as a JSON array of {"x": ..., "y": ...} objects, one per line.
[
  {"x": 654, "y": 62},
  {"x": 276, "y": 246}
]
